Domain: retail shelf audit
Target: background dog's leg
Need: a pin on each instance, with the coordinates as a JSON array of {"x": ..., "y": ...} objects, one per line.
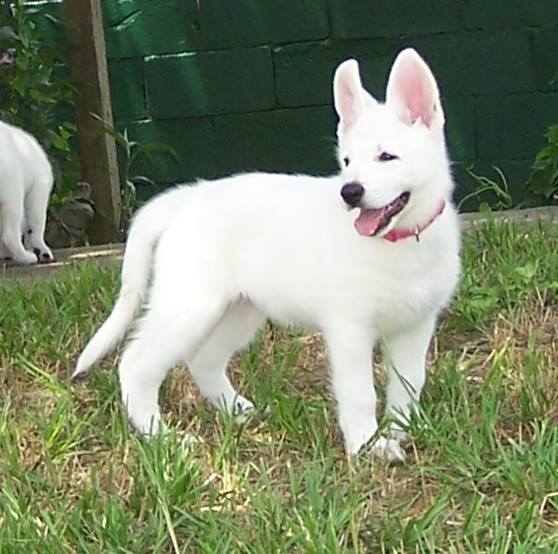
[
  {"x": 11, "y": 219},
  {"x": 350, "y": 353},
  {"x": 406, "y": 358},
  {"x": 209, "y": 365},
  {"x": 171, "y": 330},
  {"x": 4, "y": 252},
  {"x": 36, "y": 204}
]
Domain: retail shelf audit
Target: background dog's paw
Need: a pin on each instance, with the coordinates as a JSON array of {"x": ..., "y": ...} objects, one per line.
[
  {"x": 44, "y": 255},
  {"x": 26, "y": 258},
  {"x": 389, "y": 449}
]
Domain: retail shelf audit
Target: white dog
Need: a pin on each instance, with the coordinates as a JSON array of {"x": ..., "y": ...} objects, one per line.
[
  {"x": 25, "y": 185},
  {"x": 229, "y": 253}
]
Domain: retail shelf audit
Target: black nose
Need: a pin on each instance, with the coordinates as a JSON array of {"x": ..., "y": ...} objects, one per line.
[{"x": 352, "y": 193}]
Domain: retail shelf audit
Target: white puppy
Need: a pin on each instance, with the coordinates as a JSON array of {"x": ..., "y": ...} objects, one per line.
[
  {"x": 25, "y": 185},
  {"x": 228, "y": 254}
]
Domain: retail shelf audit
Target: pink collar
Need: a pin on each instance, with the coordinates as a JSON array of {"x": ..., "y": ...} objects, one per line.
[{"x": 397, "y": 234}]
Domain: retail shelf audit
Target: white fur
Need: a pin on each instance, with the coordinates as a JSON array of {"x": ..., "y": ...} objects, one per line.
[
  {"x": 230, "y": 253},
  {"x": 25, "y": 185}
]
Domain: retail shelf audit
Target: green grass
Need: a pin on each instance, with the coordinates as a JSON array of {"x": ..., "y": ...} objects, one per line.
[{"x": 482, "y": 469}]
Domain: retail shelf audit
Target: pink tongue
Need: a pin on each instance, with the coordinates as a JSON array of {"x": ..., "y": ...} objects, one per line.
[{"x": 368, "y": 221}]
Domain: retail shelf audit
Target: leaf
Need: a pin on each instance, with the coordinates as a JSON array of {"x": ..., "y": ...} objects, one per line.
[
  {"x": 52, "y": 19},
  {"x": 7, "y": 33},
  {"x": 145, "y": 150},
  {"x": 527, "y": 271},
  {"x": 143, "y": 181},
  {"x": 542, "y": 183},
  {"x": 111, "y": 131}
]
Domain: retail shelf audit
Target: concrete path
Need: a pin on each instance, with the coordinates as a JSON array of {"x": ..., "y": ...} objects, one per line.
[
  {"x": 67, "y": 257},
  {"x": 112, "y": 253}
]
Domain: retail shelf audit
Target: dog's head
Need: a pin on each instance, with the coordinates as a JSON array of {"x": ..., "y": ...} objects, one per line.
[{"x": 393, "y": 157}]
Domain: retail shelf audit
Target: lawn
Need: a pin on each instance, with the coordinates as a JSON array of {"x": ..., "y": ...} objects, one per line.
[{"x": 481, "y": 472}]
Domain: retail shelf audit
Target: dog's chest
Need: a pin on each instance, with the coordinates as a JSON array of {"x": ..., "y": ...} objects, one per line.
[
  {"x": 412, "y": 286},
  {"x": 385, "y": 291},
  {"x": 408, "y": 296}
]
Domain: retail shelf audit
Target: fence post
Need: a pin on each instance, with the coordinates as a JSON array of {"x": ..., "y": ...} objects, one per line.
[{"x": 87, "y": 57}]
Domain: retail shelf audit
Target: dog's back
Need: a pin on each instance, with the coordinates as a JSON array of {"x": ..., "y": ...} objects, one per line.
[{"x": 25, "y": 155}]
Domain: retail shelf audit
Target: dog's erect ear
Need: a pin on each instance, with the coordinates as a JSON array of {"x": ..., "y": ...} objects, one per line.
[
  {"x": 348, "y": 94},
  {"x": 412, "y": 91}
]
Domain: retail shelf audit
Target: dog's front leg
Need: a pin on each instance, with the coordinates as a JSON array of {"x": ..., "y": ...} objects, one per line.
[
  {"x": 350, "y": 353},
  {"x": 406, "y": 356}
]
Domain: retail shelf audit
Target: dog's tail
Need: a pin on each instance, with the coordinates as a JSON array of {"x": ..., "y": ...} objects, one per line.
[{"x": 147, "y": 227}]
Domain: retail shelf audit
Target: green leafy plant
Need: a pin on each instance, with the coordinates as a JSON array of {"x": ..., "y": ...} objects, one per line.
[
  {"x": 34, "y": 92},
  {"x": 498, "y": 188},
  {"x": 542, "y": 185},
  {"x": 130, "y": 152}
]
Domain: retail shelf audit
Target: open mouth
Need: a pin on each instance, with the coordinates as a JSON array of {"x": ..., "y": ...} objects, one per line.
[{"x": 371, "y": 221}]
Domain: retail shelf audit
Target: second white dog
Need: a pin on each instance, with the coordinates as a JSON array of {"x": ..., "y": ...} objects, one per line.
[
  {"x": 25, "y": 185},
  {"x": 229, "y": 253}
]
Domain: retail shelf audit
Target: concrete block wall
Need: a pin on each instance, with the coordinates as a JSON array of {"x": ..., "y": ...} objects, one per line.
[{"x": 246, "y": 84}]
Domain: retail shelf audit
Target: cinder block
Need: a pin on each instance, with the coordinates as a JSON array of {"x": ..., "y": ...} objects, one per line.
[
  {"x": 479, "y": 62},
  {"x": 513, "y": 126},
  {"x": 143, "y": 27},
  {"x": 460, "y": 127},
  {"x": 304, "y": 72},
  {"x": 127, "y": 86},
  {"x": 389, "y": 18},
  {"x": 207, "y": 83},
  {"x": 241, "y": 23},
  {"x": 192, "y": 139},
  {"x": 546, "y": 59},
  {"x": 295, "y": 140},
  {"x": 509, "y": 14},
  {"x": 464, "y": 64}
]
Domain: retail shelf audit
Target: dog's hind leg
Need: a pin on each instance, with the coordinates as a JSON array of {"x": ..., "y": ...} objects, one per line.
[
  {"x": 36, "y": 204},
  {"x": 172, "y": 329},
  {"x": 11, "y": 219},
  {"x": 406, "y": 358},
  {"x": 208, "y": 366}
]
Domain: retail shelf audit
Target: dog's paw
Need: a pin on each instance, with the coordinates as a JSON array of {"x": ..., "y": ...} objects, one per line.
[
  {"x": 389, "y": 449},
  {"x": 44, "y": 254},
  {"x": 147, "y": 425},
  {"x": 242, "y": 409},
  {"x": 79, "y": 374},
  {"x": 399, "y": 435}
]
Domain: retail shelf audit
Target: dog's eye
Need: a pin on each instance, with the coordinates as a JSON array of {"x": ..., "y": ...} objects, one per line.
[
  {"x": 387, "y": 157},
  {"x": 346, "y": 161}
]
